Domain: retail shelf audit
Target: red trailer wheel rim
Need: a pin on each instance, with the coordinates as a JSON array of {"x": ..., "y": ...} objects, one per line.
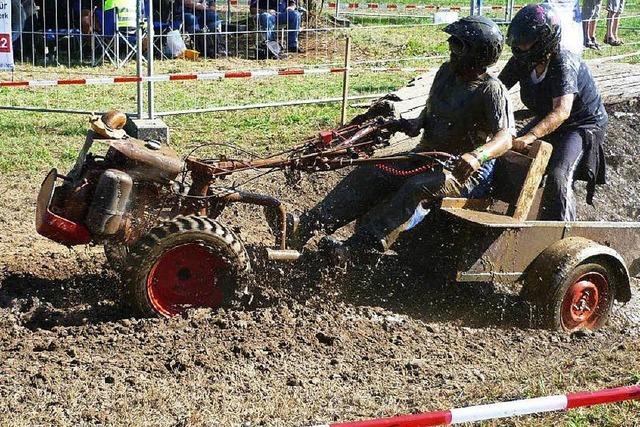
[
  {"x": 183, "y": 277},
  {"x": 583, "y": 301}
]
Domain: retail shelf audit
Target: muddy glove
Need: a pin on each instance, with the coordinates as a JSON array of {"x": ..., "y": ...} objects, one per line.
[{"x": 409, "y": 127}]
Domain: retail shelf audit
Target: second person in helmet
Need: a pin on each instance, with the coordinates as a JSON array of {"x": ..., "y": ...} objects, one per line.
[
  {"x": 557, "y": 86},
  {"x": 467, "y": 114}
]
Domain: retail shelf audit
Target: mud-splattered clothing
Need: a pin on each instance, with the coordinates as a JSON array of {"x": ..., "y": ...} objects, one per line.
[
  {"x": 459, "y": 116},
  {"x": 566, "y": 74},
  {"x": 578, "y": 152}
]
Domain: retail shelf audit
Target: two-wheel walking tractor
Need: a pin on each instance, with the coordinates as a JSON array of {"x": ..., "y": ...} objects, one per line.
[{"x": 158, "y": 217}]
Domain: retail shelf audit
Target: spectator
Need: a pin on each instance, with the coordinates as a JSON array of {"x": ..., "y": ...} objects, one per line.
[
  {"x": 22, "y": 12},
  {"x": 590, "y": 14},
  {"x": 195, "y": 15},
  {"x": 273, "y": 14},
  {"x": 615, "y": 8}
]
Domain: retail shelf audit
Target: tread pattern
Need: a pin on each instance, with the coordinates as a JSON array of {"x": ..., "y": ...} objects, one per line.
[{"x": 179, "y": 230}]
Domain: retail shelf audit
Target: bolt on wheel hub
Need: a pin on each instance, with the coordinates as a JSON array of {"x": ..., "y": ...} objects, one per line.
[{"x": 582, "y": 301}]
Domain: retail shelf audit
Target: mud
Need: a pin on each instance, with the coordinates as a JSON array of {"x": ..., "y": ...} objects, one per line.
[{"x": 312, "y": 343}]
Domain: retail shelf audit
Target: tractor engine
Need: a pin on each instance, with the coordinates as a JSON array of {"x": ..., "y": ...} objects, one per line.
[{"x": 93, "y": 201}]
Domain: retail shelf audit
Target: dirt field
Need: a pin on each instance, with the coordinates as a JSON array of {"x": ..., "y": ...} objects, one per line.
[{"x": 312, "y": 345}]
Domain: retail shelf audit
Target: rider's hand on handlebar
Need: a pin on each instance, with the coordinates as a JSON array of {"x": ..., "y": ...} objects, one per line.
[
  {"x": 405, "y": 126},
  {"x": 465, "y": 167}
]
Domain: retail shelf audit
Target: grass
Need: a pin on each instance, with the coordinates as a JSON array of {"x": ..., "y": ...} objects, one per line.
[{"x": 33, "y": 142}]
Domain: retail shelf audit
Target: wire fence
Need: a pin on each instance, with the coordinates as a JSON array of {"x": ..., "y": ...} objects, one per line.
[
  {"x": 83, "y": 32},
  {"x": 386, "y": 51}
]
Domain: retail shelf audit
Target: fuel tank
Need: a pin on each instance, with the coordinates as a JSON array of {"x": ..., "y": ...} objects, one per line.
[{"x": 143, "y": 160}]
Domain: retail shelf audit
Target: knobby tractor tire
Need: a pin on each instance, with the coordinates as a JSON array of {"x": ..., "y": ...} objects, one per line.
[
  {"x": 581, "y": 299},
  {"x": 116, "y": 254},
  {"x": 184, "y": 263}
]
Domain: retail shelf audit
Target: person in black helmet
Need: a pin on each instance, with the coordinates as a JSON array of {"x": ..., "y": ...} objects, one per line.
[
  {"x": 467, "y": 114},
  {"x": 557, "y": 86}
]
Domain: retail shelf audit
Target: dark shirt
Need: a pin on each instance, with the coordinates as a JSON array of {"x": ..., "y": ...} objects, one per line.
[
  {"x": 566, "y": 74},
  {"x": 461, "y": 115}
]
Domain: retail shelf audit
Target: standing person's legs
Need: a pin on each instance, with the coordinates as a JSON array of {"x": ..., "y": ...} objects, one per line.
[
  {"x": 558, "y": 199},
  {"x": 590, "y": 14},
  {"x": 614, "y": 8}
]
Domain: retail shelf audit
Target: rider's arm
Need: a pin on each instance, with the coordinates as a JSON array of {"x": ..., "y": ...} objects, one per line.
[
  {"x": 498, "y": 120},
  {"x": 552, "y": 121},
  {"x": 499, "y": 144}
]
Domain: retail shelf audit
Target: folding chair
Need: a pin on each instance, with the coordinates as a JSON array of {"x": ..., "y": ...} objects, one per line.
[{"x": 113, "y": 38}]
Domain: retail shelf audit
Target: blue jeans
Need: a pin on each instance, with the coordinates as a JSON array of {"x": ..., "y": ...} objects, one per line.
[
  {"x": 194, "y": 21},
  {"x": 289, "y": 19}
]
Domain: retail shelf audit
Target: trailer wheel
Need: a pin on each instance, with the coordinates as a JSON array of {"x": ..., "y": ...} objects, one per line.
[
  {"x": 184, "y": 263},
  {"x": 581, "y": 300}
]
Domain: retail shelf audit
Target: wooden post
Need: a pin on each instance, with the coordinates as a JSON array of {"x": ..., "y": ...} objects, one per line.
[{"x": 345, "y": 80}]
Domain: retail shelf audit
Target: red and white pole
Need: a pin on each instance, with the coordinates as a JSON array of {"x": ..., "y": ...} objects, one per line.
[{"x": 502, "y": 409}]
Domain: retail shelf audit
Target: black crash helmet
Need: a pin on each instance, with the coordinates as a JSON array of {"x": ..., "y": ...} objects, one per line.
[
  {"x": 475, "y": 41},
  {"x": 537, "y": 24}
]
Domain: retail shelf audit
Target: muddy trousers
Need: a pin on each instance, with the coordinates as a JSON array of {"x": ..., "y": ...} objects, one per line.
[
  {"x": 558, "y": 198},
  {"x": 384, "y": 203}
]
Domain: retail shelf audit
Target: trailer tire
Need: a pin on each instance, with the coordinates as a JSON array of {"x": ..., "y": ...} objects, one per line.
[
  {"x": 183, "y": 263},
  {"x": 580, "y": 299}
]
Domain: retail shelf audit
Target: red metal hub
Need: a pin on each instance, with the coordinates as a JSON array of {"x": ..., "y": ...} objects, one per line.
[
  {"x": 185, "y": 276},
  {"x": 583, "y": 302}
]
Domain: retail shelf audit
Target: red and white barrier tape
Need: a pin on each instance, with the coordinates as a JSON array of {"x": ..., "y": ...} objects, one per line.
[
  {"x": 409, "y": 7},
  {"x": 217, "y": 75},
  {"x": 501, "y": 409}
]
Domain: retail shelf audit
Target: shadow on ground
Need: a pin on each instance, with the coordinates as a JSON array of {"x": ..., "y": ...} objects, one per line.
[{"x": 45, "y": 303}]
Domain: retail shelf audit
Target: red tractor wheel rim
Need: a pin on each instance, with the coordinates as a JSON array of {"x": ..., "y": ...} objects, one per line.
[
  {"x": 583, "y": 302},
  {"x": 183, "y": 277}
]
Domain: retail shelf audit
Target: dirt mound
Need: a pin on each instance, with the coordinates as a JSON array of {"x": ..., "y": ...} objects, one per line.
[{"x": 314, "y": 344}]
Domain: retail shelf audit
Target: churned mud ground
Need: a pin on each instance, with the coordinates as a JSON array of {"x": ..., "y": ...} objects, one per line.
[{"x": 314, "y": 344}]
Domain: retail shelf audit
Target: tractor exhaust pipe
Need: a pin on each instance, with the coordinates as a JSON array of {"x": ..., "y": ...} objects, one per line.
[{"x": 282, "y": 254}]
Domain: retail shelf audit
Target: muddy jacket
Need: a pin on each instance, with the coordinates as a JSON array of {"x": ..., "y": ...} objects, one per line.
[
  {"x": 567, "y": 74},
  {"x": 460, "y": 115}
]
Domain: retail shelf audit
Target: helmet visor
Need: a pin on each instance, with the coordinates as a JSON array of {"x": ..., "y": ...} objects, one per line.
[{"x": 457, "y": 46}]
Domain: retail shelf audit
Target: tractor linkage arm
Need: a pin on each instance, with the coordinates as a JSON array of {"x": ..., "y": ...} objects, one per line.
[{"x": 347, "y": 146}]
